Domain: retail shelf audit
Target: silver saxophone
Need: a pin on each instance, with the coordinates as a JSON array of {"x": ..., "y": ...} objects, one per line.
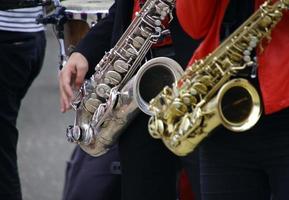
[{"x": 109, "y": 100}]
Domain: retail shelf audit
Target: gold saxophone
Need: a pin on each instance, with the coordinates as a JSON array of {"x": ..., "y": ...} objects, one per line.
[{"x": 207, "y": 95}]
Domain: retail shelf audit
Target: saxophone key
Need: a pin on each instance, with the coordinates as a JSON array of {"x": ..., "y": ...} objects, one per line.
[
  {"x": 201, "y": 88},
  {"x": 121, "y": 66},
  {"x": 247, "y": 52},
  {"x": 76, "y": 133},
  {"x": 145, "y": 31},
  {"x": 162, "y": 9},
  {"x": 265, "y": 22},
  {"x": 92, "y": 104},
  {"x": 158, "y": 30},
  {"x": 103, "y": 90},
  {"x": 158, "y": 20},
  {"x": 193, "y": 91},
  {"x": 253, "y": 44},
  {"x": 207, "y": 80},
  {"x": 112, "y": 77},
  {"x": 156, "y": 127},
  {"x": 188, "y": 99},
  {"x": 178, "y": 108},
  {"x": 185, "y": 125},
  {"x": 175, "y": 141},
  {"x": 130, "y": 52},
  {"x": 247, "y": 59},
  {"x": 138, "y": 42}
]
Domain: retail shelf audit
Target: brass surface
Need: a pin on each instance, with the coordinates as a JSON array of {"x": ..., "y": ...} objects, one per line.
[{"x": 188, "y": 112}]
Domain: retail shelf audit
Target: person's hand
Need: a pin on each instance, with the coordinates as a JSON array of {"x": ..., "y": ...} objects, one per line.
[{"x": 71, "y": 77}]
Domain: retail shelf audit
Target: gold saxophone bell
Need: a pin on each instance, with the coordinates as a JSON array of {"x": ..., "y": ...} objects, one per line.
[
  {"x": 209, "y": 93},
  {"x": 239, "y": 105}
]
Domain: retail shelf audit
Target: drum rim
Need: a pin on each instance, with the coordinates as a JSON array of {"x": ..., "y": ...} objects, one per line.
[{"x": 103, "y": 11}]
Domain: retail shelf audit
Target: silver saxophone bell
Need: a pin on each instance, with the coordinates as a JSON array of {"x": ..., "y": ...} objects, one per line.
[
  {"x": 98, "y": 137},
  {"x": 108, "y": 101}
]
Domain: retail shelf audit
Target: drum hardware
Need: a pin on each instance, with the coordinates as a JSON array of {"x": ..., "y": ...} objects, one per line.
[
  {"x": 58, "y": 19},
  {"x": 71, "y": 20}
]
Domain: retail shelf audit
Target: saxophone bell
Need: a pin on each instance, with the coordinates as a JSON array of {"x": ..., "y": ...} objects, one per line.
[
  {"x": 106, "y": 103},
  {"x": 98, "y": 138},
  {"x": 209, "y": 94},
  {"x": 239, "y": 105},
  {"x": 152, "y": 77}
]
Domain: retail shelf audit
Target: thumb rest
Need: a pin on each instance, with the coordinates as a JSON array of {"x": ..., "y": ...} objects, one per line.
[
  {"x": 209, "y": 93},
  {"x": 108, "y": 101}
]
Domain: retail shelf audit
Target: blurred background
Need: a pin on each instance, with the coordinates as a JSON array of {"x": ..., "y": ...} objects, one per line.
[{"x": 42, "y": 148}]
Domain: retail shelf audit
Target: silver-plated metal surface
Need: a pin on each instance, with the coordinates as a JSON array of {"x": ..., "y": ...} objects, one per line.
[{"x": 104, "y": 104}]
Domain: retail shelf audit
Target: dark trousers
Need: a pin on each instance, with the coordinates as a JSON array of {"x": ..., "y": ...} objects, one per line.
[
  {"x": 149, "y": 169},
  {"x": 253, "y": 165},
  {"x": 93, "y": 178},
  {"x": 21, "y": 58},
  {"x": 191, "y": 165}
]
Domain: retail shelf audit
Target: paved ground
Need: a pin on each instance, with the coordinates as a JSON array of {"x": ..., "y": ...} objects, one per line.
[{"x": 43, "y": 149}]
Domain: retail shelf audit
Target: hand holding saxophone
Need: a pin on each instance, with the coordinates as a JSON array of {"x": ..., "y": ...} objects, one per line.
[
  {"x": 109, "y": 99},
  {"x": 70, "y": 77}
]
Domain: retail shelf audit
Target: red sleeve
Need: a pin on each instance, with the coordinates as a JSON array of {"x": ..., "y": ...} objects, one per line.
[{"x": 196, "y": 16}]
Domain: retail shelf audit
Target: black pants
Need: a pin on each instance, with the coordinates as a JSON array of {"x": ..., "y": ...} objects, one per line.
[
  {"x": 21, "y": 58},
  {"x": 253, "y": 165},
  {"x": 149, "y": 169},
  {"x": 191, "y": 165},
  {"x": 93, "y": 178}
]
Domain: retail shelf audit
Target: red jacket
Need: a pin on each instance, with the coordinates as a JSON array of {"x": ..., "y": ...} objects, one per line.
[{"x": 202, "y": 19}]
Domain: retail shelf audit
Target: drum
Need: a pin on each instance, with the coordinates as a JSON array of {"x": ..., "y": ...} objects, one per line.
[{"x": 81, "y": 16}]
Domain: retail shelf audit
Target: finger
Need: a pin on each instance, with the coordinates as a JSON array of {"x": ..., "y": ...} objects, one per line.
[
  {"x": 63, "y": 97},
  {"x": 66, "y": 77},
  {"x": 80, "y": 75},
  {"x": 62, "y": 105}
]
